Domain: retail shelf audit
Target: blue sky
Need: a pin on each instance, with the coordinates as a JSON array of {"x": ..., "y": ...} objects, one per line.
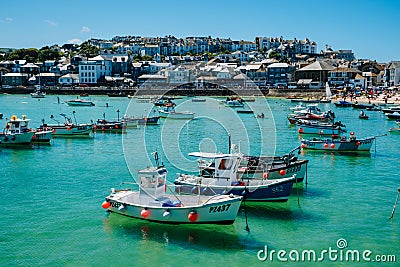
[{"x": 370, "y": 28}]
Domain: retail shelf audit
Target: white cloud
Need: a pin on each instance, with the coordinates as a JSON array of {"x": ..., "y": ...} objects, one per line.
[
  {"x": 51, "y": 23},
  {"x": 74, "y": 41},
  {"x": 85, "y": 29},
  {"x": 6, "y": 20}
]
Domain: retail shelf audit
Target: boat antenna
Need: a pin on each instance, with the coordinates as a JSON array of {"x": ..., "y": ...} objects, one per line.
[
  {"x": 52, "y": 117},
  {"x": 118, "y": 113},
  {"x": 395, "y": 204},
  {"x": 73, "y": 112},
  {"x": 229, "y": 143},
  {"x": 155, "y": 154}
]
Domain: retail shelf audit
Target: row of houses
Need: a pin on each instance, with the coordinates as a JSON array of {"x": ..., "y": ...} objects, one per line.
[{"x": 106, "y": 70}]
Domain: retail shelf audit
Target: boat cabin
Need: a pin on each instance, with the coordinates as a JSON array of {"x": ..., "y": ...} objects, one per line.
[
  {"x": 215, "y": 165},
  {"x": 17, "y": 126},
  {"x": 153, "y": 180}
]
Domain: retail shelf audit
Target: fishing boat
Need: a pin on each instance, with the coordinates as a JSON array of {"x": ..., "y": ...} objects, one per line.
[
  {"x": 393, "y": 116},
  {"x": 104, "y": 125},
  {"x": 233, "y": 103},
  {"x": 362, "y": 106},
  {"x": 244, "y": 111},
  {"x": 43, "y": 136},
  {"x": 273, "y": 167},
  {"x": 135, "y": 121},
  {"x": 173, "y": 114},
  {"x": 38, "y": 94},
  {"x": 249, "y": 99},
  {"x": 363, "y": 116},
  {"x": 17, "y": 132},
  {"x": 320, "y": 128},
  {"x": 164, "y": 102},
  {"x": 351, "y": 144},
  {"x": 343, "y": 103},
  {"x": 68, "y": 128},
  {"x": 80, "y": 102},
  {"x": 156, "y": 201},
  {"x": 224, "y": 179},
  {"x": 195, "y": 99},
  {"x": 391, "y": 109},
  {"x": 299, "y": 107}
]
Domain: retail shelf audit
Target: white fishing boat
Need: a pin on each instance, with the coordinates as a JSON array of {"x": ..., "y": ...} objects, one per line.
[
  {"x": 38, "y": 94},
  {"x": 393, "y": 116},
  {"x": 156, "y": 201},
  {"x": 218, "y": 174},
  {"x": 17, "y": 132},
  {"x": 43, "y": 136},
  {"x": 68, "y": 128},
  {"x": 195, "y": 99},
  {"x": 173, "y": 114},
  {"x": 80, "y": 102},
  {"x": 234, "y": 103}
]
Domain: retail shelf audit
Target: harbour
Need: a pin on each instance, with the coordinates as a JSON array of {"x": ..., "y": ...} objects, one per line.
[{"x": 53, "y": 193}]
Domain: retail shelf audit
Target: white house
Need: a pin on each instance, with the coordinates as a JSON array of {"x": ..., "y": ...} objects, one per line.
[
  {"x": 69, "y": 79},
  {"x": 393, "y": 70},
  {"x": 90, "y": 71},
  {"x": 179, "y": 75}
]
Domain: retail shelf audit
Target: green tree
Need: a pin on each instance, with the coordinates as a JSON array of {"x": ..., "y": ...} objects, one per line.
[
  {"x": 45, "y": 53},
  {"x": 88, "y": 50}
]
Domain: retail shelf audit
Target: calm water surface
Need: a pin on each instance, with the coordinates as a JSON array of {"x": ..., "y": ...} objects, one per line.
[{"x": 52, "y": 195}]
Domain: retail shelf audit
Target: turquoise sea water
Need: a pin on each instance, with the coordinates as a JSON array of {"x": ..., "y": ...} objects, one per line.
[{"x": 52, "y": 195}]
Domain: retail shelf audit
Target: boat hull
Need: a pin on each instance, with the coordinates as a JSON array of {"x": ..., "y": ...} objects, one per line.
[
  {"x": 71, "y": 130},
  {"x": 252, "y": 189},
  {"x": 176, "y": 115},
  {"x": 16, "y": 139},
  {"x": 43, "y": 136},
  {"x": 220, "y": 210},
  {"x": 277, "y": 171},
  {"x": 77, "y": 103},
  {"x": 319, "y": 129},
  {"x": 359, "y": 145}
]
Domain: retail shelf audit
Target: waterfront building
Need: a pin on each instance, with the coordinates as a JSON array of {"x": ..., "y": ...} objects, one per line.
[
  {"x": 14, "y": 79},
  {"x": 314, "y": 75},
  {"x": 340, "y": 77},
  {"x": 68, "y": 79},
  {"x": 95, "y": 68},
  {"x": 392, "y": 72},
  {"x": 280, "y": 74}
]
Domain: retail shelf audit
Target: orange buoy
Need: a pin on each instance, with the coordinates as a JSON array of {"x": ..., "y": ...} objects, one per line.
[
  {"x": 325, "y": 145},
  {"x": 34, "y": 137},
  {"x": 145, "y": 213},
  {"x": 105, "y": 205},
  {"x": 332, "y": 145},
  {"x": 282, "y": 172},
  {"x": 116, "y": 126},
  {"x": 193, "y": 216},
  {"x": 303, "y": 145},
  {"x": 358, "y": 143},
  {"x": 301, "y": 130},
  {"x": 265, "y": 175},
  {"x": 95, "y": 127},
  {"x": 69, "y": 128}
]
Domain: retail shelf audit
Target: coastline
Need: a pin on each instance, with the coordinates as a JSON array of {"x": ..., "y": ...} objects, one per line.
[{"x": 380, "y": 99}]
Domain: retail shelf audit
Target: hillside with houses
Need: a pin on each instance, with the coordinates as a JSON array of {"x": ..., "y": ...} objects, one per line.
[{"x": 192, "y": 62}]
